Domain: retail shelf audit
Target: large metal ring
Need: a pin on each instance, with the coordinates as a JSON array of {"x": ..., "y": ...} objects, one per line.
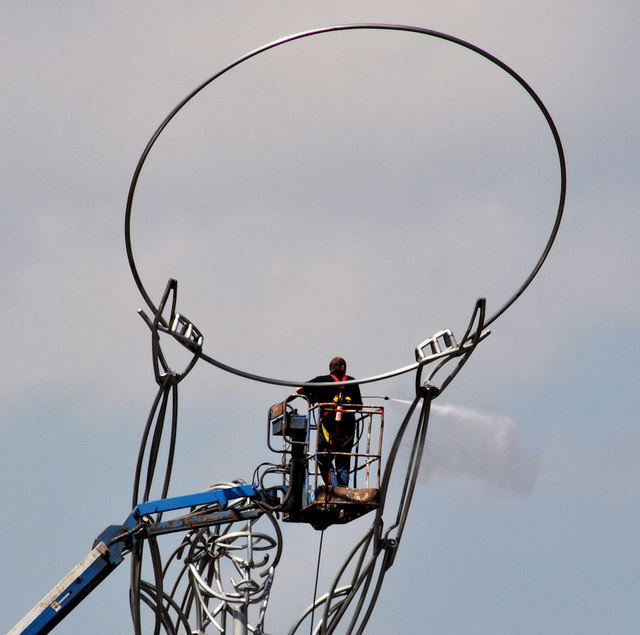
[{"x": 320, "y": 31}]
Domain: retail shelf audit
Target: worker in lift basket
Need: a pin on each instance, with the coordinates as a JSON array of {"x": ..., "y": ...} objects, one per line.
[{"x": 336, "y": 429}]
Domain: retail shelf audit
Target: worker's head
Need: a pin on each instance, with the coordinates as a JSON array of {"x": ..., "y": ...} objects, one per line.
[{"x": 337, "y": 364}]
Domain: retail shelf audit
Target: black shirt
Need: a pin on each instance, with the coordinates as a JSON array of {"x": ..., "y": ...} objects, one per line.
[{"x": 326, "y": 394}]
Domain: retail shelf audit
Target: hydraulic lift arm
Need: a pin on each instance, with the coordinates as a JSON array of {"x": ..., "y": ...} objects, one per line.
[{"x": 115, "y": 541}]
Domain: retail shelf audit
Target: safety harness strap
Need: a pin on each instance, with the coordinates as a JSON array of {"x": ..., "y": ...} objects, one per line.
[{"x": 332, "y": 437}]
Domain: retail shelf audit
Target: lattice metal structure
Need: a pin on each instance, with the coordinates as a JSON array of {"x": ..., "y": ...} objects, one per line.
[{"x": 224, "y": 580}]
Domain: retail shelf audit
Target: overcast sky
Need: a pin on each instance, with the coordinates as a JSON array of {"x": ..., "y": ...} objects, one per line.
[{"x": 349, "y": 194}]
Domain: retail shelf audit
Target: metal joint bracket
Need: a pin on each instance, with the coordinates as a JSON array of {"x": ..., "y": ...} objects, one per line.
[
  {"x": 439, "y": 344},
  {"x": 185, "y": 332}
]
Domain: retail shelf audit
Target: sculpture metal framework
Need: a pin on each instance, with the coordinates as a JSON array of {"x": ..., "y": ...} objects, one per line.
[{"x": 219, "y": 578}]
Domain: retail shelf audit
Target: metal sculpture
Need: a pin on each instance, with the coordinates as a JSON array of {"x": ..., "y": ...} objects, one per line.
[
  {"x": 219, "y": 578},
  {"x": 358, "y": 582}
]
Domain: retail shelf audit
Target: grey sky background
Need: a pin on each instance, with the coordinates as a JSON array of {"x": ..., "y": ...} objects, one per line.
[{"x": 350, "y": 194}]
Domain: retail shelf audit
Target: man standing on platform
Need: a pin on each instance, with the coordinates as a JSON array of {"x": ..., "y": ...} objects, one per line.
[{"x": 336, "y": 428}]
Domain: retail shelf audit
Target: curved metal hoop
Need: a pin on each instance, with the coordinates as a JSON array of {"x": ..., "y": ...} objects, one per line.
[{"x": 352, "y": 27}]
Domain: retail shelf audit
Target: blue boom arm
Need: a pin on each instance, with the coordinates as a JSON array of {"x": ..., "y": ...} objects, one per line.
[{"x": 115, "y": 541}]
